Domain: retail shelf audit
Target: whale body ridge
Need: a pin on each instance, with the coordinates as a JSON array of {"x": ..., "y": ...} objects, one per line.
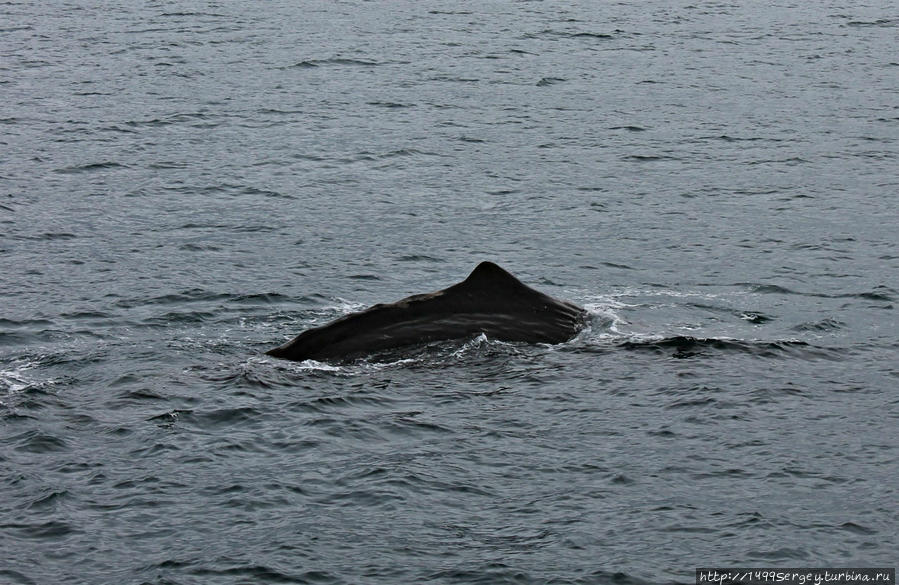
[{"x": 490, "y": 301}]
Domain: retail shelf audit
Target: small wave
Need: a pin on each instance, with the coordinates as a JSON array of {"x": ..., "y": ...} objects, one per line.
[
  {"x": 188, "y": 296},
  {"x": 769, "y": 394},
  {"x": 780, "y": 555},
  {"x": 854, "y": 528},
  {"x": 332, "y": 401},
  {"x": 16, "y": 577},
  {"x": 51, "y": 236},
  {"x": 619, "y": 266},
  {"x": 396, "y": 153},
  {"x": 209, "y": 420},
  {"x": 791, "y": 161},
  {"x": 191, "y": 247},
  {"x": 767, "y": 288},
  {"x": 408, "y": 424},
  {"x": 572, "y": 34},
  {"x": 261, "y": 299},
  {"x": 456, "y": 79},
  {"x": 140, "y": 395},
  {"x": 226, "y": 417},
  {"x": 167, "y": 164},
  {"x": 313, "y": 63},
  {"x": 879, "y": 293},
  {"x": 622, "y": 479},
  {"x": 755, "y": 317},
  {"x": 549, "y": 81},
  {"x": 390, "y": 105},
  {"x": 419, "y": 258},
  {"x": 823, "y": 325},
  {"x": 252, "y": 373},
  {"x": 264, "y": 193},
  {"x": 727, "y": 138},
  {"x": 195, "y": 226},
  {"x": 101, "y": 166},
  {"x": 681, "y": 346},
  {"x": 342, "y": 61},
  {"x": 591, "y": 35},
  {"x": 39, "y": 442},
  {"x": 642, "y": 158},
  {"x": 263, "y": 574},
  {"x": 186, "y": 14},
  {"x": 885, "y": 22},
  {"x": 498, "y": 573},
  {"x": 49, "y": 500},
  {"x": 13, "y": 323},
  {"x": 168, "y": 419},
  {"x": 692, "y": 403},
  {"x": 92, "y": 93},
  {"x": 78, "y": 315},
  {"x": 278, "y": 111},
  {"x": 46, "y": 530},
  {"x": 176, "y": 118},
  {"x": 254, "y": 228},
  {"x": 180, "y": 317}
]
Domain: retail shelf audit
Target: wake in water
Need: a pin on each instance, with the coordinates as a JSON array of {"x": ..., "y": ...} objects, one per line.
[
  {"x": 625, "y": 323},
  {"x": 684, "y": 324}
]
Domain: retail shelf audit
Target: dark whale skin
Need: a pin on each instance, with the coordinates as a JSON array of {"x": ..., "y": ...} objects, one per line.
[{"x": 490, "y": 301}]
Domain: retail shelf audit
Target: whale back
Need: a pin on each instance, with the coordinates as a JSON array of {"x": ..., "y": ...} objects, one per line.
[{"x": 489, "y": 301}]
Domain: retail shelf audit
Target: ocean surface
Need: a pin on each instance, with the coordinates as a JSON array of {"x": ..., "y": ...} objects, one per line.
[{"x": 186, "y": 184}]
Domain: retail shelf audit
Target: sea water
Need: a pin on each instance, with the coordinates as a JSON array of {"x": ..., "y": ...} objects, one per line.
[{"x": 185, "y": 184}]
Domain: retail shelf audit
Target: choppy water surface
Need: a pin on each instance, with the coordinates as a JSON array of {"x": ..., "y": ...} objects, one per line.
[{"x": 186, "y": 184}]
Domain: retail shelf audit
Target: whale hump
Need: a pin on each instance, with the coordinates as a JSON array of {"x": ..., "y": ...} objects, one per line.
[
  {"x": 489, "y": 301},
  {"x": 489, "y": 274}
]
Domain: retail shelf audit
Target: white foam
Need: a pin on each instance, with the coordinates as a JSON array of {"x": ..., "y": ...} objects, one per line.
[
  {"x": 607, "y": 311},
  {"x": 316, "y": 366},
  {"x": 15, "y": 380}
]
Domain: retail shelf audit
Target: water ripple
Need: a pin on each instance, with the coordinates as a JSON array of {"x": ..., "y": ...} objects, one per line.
[{"x": 184, "y": 186}]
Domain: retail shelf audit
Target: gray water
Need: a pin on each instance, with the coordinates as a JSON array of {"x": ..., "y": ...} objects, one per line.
[{"x": 187, "y": 184}]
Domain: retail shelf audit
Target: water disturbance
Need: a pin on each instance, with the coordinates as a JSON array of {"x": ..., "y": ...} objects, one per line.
[{"x": 184, "y": 185}]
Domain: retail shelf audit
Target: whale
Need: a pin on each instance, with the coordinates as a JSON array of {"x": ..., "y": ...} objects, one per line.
[{"x": 490, "y": 301}]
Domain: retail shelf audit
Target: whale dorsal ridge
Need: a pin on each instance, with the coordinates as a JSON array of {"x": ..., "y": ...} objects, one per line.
[
  {"x": 490, "y": 274},
  {"x": 490, "y": 301}
]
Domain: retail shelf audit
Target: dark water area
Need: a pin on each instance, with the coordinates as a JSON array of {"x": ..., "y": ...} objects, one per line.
[{"x": 184, "y": 185}]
